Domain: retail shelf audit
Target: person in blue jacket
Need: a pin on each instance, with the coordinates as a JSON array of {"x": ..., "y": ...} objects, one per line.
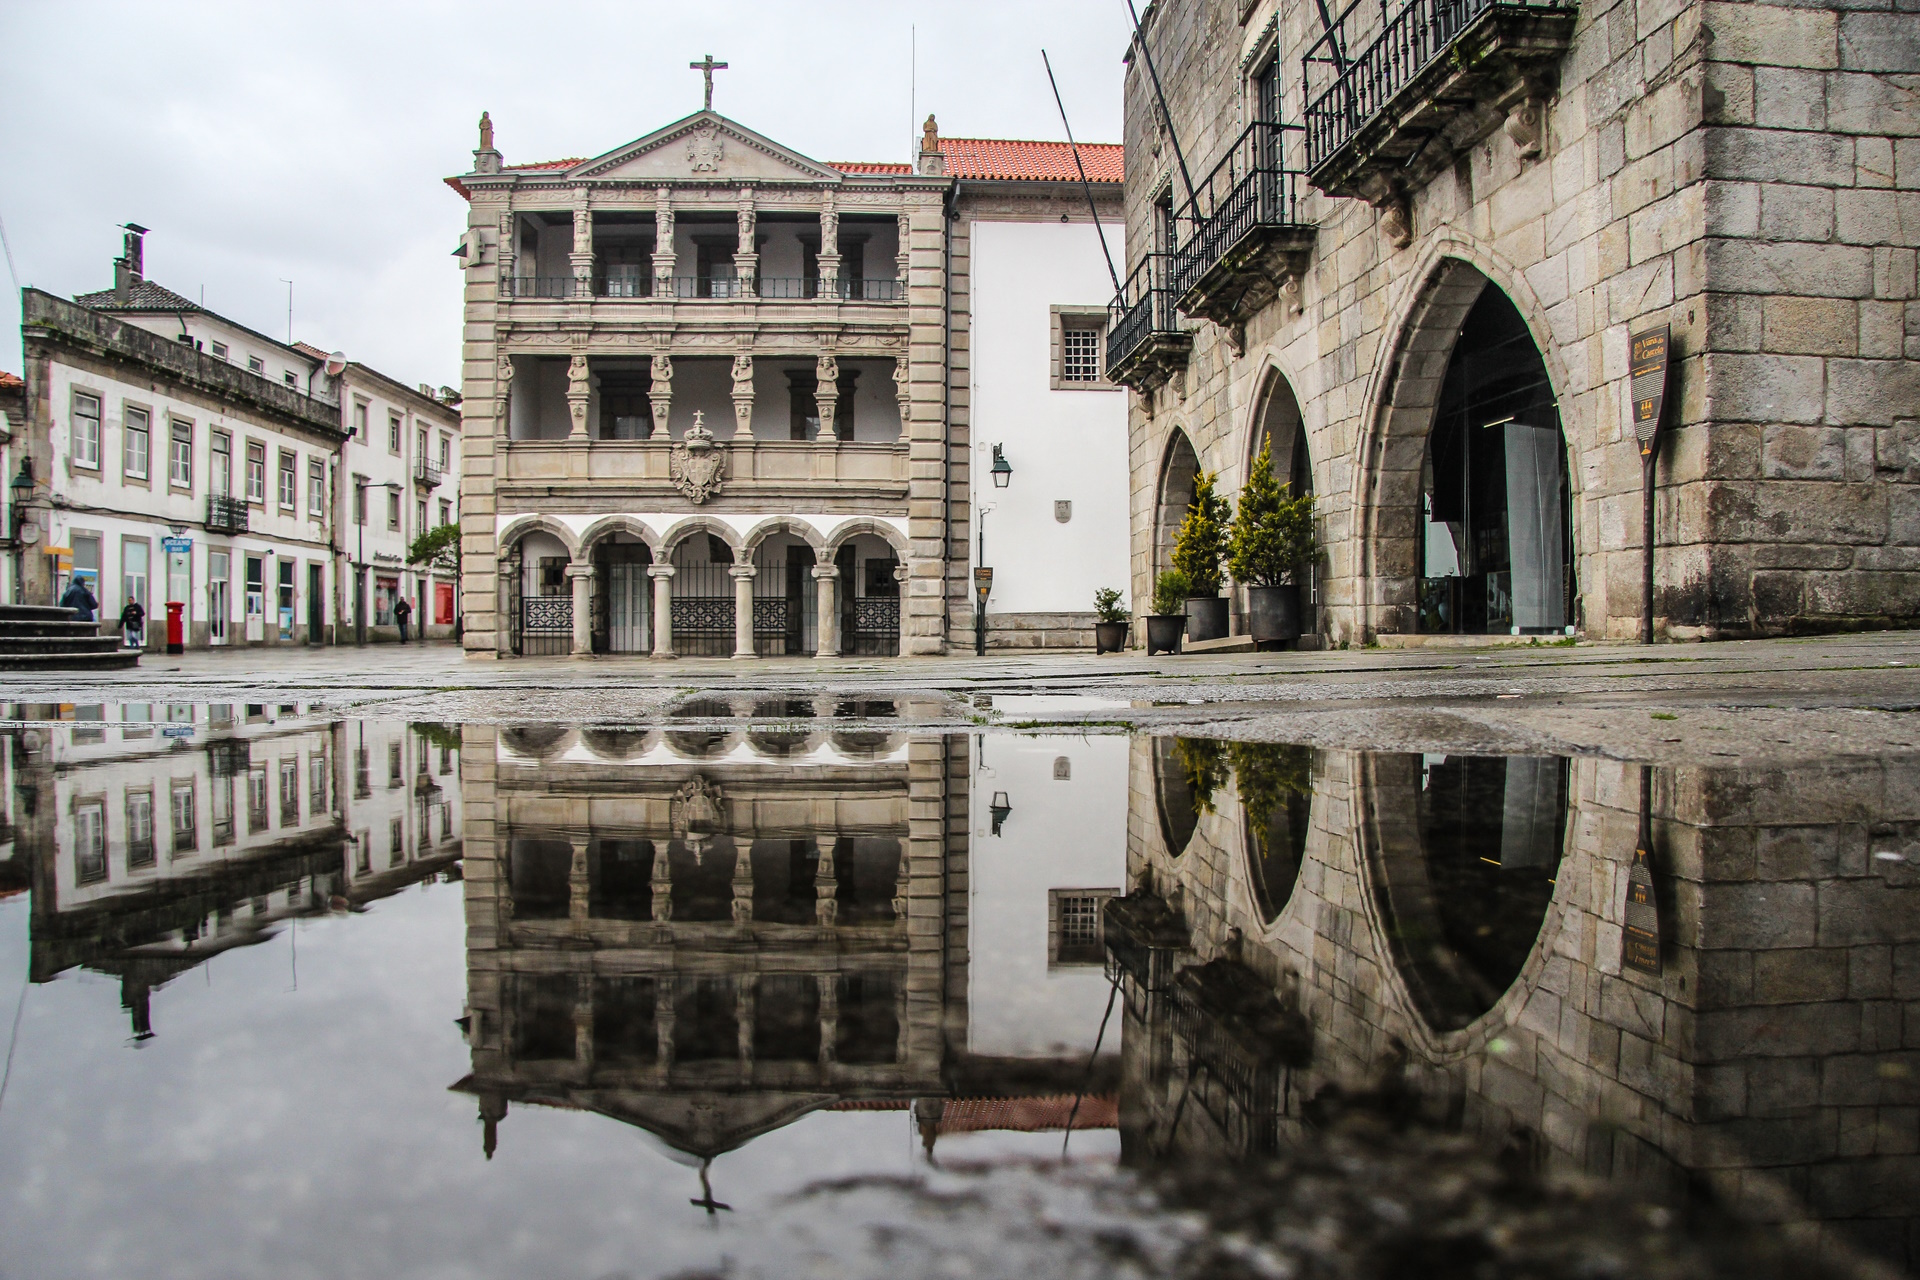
[{"x": 80, "y": 599}]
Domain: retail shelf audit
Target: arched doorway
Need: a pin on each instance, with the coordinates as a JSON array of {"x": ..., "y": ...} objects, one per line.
[
  {"x": 1177, "y": 471},
  {"x": 1496, "y": 534},
  {"x": 623, "y": 594},
  {"x": 703, "y": 596},
  {"x": 537, "y": 598},
  {"x": 869, "y": 596},
  {"x": 1465, "y": 855},
  {"x": 1279, "y": 426}
]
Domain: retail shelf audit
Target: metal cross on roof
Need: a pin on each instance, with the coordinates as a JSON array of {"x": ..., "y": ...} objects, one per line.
[{"x": 706, "y": 69}]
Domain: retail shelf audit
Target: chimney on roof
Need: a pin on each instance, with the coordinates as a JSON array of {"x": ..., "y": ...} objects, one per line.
[
  {"x": 130, "y": 268},
  {"x": 931, "y": 163}
]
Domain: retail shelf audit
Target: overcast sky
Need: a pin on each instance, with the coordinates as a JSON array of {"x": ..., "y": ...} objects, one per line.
[{"x": 264, "y": 142}]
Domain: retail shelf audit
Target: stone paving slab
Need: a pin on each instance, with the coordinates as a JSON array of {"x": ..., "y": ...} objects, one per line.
[{"x": 1721, "y": 703}]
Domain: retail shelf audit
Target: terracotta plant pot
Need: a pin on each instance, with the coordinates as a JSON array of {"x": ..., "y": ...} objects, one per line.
[
  {"x": 1273, "y": 613},
  {"x": 1109, "y": 637},
  {"x": 1206, "y": 617},
  {"x": 1163, "y": 632}
]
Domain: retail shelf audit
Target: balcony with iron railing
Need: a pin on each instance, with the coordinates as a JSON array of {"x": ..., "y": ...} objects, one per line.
[
  {"x": 1241, "y": 237},
  {"x": 426, "y": 474},
  {"x": 1145, "y": 343},
  {"x": 703, "y": 288},
  {"x": 1383, "y": 87},
  {"x": 226, "y": 514}
]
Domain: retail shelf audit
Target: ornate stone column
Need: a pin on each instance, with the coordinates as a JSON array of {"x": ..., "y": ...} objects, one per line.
[
  {"x": 742, "y": 575},
  {"x": 826, "y": 579},
  {"x": 829, "y": 257},
  {"x": 661, "y": 393},
  {"x": 662, "y": 883},
  {"x": 743, "y": 1002},
  {"x": 746, "y": 258},
  {"x": 663, "y": 255},
  {"x": 900, "y": 254},
  {"x": 579, "y": 396},
  {"x": 579, "y": 885},
  {"x": 826, "y": 888},
  {"x": 829, "y": 1017},
  {"x": 583, "y": 1025},
  {"x": 582, "y": 578},
  {"x": 505, "y": 257},
  {"x": 826, "y": 393},
  {"x": 663, "y": 1022},
  {"x": 503, "y": 397},
  {"x": 743, "y": 882},
  {"x": 582, "y": 255},
  {"x": 662, "y": 575},
  {"x": 742, "y": 396},
  {"x": 903, "y": 391}
]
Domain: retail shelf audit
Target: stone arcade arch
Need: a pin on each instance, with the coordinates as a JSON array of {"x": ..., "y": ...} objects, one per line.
[
  {"x": 1172, "y": 496},
  {"x": 621, "y": 550},
  {"x": 1277, "y": 419},
  {"x": 535, "y": 597},
  {"x": 1468, "y": 493}
]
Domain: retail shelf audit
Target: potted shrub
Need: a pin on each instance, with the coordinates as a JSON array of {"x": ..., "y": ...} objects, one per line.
[
  {"x": 1168, "y": 618},
  {"x": 1271, "y": 544},
  {"x": 1198, "y": 548},
  {"x": 1110, "y": 622}
]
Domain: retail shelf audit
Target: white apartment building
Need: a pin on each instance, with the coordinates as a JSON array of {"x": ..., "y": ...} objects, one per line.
[{"x": 177, "y": 457}]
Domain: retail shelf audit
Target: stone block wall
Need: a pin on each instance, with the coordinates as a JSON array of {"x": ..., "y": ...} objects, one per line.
[{"x": 1736, "y": 171}]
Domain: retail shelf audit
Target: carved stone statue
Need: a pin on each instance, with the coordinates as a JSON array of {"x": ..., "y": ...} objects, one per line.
[
  {"x": 579, "y": 391},
  {"x": 743, "y": 375},
  {"x": 827, "y": 370},
  {"x": 662, "y": 368},
  {"x": 930, "y": 135},
  {"x": 503, "y": 390},
  {"x": 486, "y": 132}
]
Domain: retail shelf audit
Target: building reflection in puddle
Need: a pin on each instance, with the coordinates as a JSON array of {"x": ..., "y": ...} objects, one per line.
[
  {"x": 788, "y": 907},
  {"x": 154, "y": 837},
  {"x": 1306, "y": 925}
]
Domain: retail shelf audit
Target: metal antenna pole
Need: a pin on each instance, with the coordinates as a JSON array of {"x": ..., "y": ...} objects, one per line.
[
  {"x": 1140, "y": 37},
  {"x": 1084, "y": 184}
]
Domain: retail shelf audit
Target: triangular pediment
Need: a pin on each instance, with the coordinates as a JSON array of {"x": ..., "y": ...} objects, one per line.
[{"x": 705, "y": 145}]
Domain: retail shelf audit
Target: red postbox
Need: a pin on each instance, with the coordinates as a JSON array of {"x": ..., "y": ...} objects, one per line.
[{"x": 176, "y": 626}]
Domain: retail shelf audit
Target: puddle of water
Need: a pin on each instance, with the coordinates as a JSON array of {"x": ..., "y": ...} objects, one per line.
[{"x": 780, "y": 980}]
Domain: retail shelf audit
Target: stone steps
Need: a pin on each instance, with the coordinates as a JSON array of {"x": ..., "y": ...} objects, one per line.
[{"x": 47, "y": 638}]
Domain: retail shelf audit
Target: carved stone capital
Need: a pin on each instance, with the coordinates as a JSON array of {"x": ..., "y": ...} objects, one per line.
[
  {"x": 1526, "y": 124},
  {"x": 1396, "y": 218}
]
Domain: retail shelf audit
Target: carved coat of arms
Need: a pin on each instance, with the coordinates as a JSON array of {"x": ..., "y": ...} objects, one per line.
[
  {"x": 696, "y": 465},
  {"x": 705, "y": 149}
]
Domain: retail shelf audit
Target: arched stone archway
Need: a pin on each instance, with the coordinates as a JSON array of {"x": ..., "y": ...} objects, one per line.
[
  {"x": 848, "y": 529},
  {"x": 615, "y": 526},
  {"x": 1172, "y": 496},
  {"x": 680, "y": 530},
  {"x": 1278, "y": 420},
  {"x": 1469, "y": 495},
  {"x": 621, "y": 550},
  {"x": 535, "y": 597},
  {"x": 801, "y": 529}
]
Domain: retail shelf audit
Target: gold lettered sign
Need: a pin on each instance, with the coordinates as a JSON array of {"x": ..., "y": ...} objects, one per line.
[
  {"x": 1647, "y": 367},
  {"x": 983, "y": 581},
  {"x": 1640, "y": 940}
]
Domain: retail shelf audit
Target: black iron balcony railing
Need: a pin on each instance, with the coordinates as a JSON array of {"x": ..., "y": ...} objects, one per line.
[
  {"x": 543, "y": 287},
  {"x": 226, "y": 514},
  {"x": 1143, "y": 308},
  {"x": 777, "y": 288},
  {"x": 1250, "y": 188},
  {"x": 425, "y": 473},
  {"x": 1348, "y": 83}
]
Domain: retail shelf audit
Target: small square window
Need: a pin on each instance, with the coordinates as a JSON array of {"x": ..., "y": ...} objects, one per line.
[
  {"x": 290, "y": 379},
  {"x": 256, "y": 364},
  {"x": 1079, "y": 355},
  {"x": 220, "y": 350},
  {"x": 1075, "y": 934}
]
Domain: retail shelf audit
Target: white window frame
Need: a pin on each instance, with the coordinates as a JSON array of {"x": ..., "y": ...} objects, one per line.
[
  {"x": 288, "y": 484},
  {"x": 316, "y": 488},
  {"x": 180, "y": 460},
  {"x": 130, "y": 433},
  {"x": 84, "y": 429},
  {"x": 257, "y": 480}
]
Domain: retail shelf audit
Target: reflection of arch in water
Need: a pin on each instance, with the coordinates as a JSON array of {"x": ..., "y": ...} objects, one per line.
[
  {"x": 1464, "y": 853},
  {"x": 1185, "y": 773},
  {"x": 1275, "y": 782},
  {"x": 537, "y": 741},
  {"x": 617, "y": 744}
]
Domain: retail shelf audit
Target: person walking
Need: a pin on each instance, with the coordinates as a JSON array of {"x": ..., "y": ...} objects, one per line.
[
  {"x": 402, "y": 611},
  {"x": 133, "y": 622},
  {"x": 79, "y": 598}
]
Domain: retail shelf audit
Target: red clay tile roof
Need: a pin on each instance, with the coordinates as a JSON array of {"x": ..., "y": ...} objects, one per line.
[
  {"x": 1003, "y": 159},
  {"x": 308, "y": 349},
  {"x": 980, "y": 159},
  {"x": 10, "y": 382}
]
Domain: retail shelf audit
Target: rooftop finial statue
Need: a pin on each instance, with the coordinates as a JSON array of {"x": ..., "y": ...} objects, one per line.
[
  {"x": 486, "y": 132},
  {"x": 929, "y": 135}
]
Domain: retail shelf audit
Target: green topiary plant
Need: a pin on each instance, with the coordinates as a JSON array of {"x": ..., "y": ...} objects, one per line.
[
  {"x": 1170, "y": 593},
  {"x": 1201, "y": 541},
  {"x": 1106, "y": 606},
  {"x": 1272, "y": 539}
]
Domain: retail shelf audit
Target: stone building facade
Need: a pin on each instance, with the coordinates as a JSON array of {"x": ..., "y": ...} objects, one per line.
[
  {"x": 717, "y": 394},
  {"x": 1417, "y": 241}
]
